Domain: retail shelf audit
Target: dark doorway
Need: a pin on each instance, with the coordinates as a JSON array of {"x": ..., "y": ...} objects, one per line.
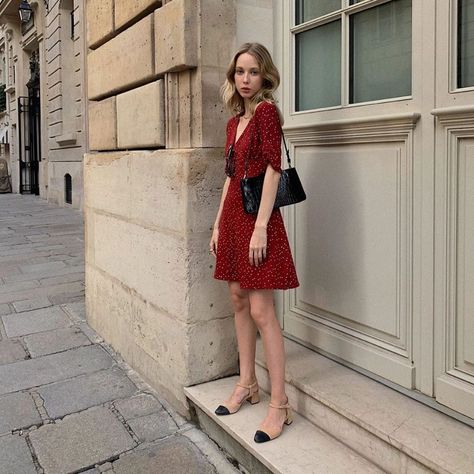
[
  {"x": 29, "y": 122},
  {"x": 68, "y": 188}
]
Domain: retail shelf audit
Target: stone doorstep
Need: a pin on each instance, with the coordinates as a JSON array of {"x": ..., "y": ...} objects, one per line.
[
  {"x": 303, "y": 448},
  {"x": 395, "y": 432}
]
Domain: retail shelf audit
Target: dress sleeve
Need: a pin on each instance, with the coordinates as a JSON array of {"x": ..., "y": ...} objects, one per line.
[{"x": 270, "y": 135}]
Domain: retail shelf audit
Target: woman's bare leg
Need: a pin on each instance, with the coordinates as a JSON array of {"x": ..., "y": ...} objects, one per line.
[
  {"x": 246, "y": 339},
  {"x": 263, "y": 313}
]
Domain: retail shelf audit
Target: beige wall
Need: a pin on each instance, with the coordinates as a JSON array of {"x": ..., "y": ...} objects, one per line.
[
  {"x": 66, "y": 137},
  {"x": 63, "y": 136},
  {"x": 153, "y": 181}
]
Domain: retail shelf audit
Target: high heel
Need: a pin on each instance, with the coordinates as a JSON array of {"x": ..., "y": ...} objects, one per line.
[
  {"x": 253, "y": 397},
  {"x": 263, "y": 437}
]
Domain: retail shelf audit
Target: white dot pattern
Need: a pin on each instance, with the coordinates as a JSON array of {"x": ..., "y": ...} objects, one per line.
[{"x": 263, "y": 136}]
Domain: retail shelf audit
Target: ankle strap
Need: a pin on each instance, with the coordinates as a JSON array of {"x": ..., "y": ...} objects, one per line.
[
  {"x": 248, "y": 387},
  {"x": 281, "y": 407}
]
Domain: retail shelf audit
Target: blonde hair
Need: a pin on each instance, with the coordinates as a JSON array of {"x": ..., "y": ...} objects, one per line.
[{"x": 270, "y": 75}]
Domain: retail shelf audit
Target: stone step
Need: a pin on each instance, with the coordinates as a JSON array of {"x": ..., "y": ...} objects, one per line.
[
  {"x": 392, "y": 430},
  {"x": 302, "y": 448}
]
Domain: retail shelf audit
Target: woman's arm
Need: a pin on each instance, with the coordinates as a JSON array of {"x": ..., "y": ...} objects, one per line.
[
  {"x": 215, "y": 231},
  {"x": 258, "y": 242},
  {"x": 268, "y": 124}
]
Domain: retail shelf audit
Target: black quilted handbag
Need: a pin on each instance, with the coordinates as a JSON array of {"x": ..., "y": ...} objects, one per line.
[{"x": 290, "y": 189}]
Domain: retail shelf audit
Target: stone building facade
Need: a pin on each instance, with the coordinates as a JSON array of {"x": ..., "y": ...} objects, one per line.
[
  {"x": 382, "y": 138},
  {"x": 44, "y": 117}
]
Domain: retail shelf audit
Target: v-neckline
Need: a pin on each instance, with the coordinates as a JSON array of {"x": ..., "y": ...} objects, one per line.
[{"x": 243, "y": 131}]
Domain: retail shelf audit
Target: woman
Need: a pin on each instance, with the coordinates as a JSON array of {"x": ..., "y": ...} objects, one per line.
[{"x": 252, "y": 251}]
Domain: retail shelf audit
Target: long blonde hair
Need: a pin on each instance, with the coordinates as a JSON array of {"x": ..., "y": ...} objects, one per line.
[{"x": 271, "y": 79}]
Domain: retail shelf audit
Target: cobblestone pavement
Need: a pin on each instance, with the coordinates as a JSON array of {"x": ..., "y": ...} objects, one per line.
[{"x": 68, "y": 403}]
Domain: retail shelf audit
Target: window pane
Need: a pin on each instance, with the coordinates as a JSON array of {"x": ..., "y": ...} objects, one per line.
[
  {"x": 465, "y": 43},
  {"x": 381, "y": 52},
  {"x": 308, "y": 9},
  {"x": 318, "y": 67}
]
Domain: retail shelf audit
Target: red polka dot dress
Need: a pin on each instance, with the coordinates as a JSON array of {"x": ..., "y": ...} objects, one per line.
[{"x": 277, "y": 271}]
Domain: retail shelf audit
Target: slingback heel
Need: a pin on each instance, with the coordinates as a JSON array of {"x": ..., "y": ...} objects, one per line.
[
  {"x": 229, "y": 409},
  {"x": 264, "y": 436}
]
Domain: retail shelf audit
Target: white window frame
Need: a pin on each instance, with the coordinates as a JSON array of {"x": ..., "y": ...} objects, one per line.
[
  {"x": 453, "y": 50},
  {"x": 289, "y": 15}
]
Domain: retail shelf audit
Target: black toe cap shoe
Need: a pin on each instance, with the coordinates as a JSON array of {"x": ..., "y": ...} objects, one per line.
[
  {"x": 261, "y": 437},
  {"x": 221, "y": 410}
]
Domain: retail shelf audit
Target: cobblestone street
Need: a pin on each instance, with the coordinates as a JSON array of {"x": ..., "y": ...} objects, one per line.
[{"x": 68, "y": 403}]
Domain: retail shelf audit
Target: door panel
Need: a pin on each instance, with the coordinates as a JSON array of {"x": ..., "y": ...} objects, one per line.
[
  {"x": 348, "y": 228},
  {"x": 351, "y": 239},
  {"x": 454, "y": 277},
  {"x": 464, "y": 321}
]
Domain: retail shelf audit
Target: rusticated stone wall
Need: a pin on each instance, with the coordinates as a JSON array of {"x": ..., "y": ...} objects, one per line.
[{"x": 153, "y": 180}]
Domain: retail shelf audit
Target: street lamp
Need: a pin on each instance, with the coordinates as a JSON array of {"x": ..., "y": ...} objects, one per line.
[{"x": 25, "y": 11}]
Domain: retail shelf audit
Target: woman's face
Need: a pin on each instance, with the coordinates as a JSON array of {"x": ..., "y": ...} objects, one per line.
[{"x": 248, "y": 78}]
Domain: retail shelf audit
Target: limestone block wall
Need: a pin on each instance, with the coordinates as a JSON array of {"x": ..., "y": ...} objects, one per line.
[
  {"x": 153, "y": 180},
  {"x": 65, "y": 114}
]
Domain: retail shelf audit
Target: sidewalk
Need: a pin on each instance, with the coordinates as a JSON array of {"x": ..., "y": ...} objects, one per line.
[{"x": 68, "y": 403}]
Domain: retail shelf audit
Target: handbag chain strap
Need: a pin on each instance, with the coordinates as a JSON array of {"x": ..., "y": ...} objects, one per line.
[{"x": 288, "y": 159}]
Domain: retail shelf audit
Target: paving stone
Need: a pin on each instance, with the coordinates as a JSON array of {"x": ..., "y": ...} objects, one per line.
[
  {"x": 20, "y": 259},
  {"x": 67, "y": 297},
  {"x": 80, "y": 441},
  {"x": 77, "y": 394},
  {"x": 35, "y": 321},
  {"x": 16, "y": 250},
  {"x": 76, "y": 310},
  {"x": 171, "y": 456},
  {"x": 17, "y": 411},
  {"x": 141, "y": 405},
  {"x": 50, "y": 291},
  {"x": 9, "y": 270},
  {"x": 71, "y": 277},
  {"x": 5, "y": 309},
  {"x": 14, "y": 240},
  {"x": 18, "y": 286},
  {"x": 20, "y": 277},
  {"x": 29, "y": 305},
  {"x": 44, "y": 274},
  {"x": 53, "y": 368},
  {"x": 152, "y": 427},
  {"x": 37, "y": 237},
  {"x": 11, "y": 351},
  {"x": 40, "y": 267},
  {"x": 212, "y": 452},
  {"x": 57, "y": 340},
  {"x": 15, "y": 456},
  {"x": 48, "y": 248}
]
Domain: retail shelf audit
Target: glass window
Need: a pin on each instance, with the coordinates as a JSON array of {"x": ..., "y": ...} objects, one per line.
[
  {"x": 308, "y": 9},
  {"x": 380, "y": 52},
  {"x": 465, "y": 55},
  {"x": 318, "y": 67},
  {"x": 377, "y": 61}
]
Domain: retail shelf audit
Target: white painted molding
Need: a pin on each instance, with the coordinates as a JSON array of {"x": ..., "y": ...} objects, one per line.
[
  {"x": 454, "y": 114},
  {"x": 376, "y": 122}
]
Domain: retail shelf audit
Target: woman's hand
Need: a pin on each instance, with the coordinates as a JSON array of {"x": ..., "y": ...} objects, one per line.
[
  {"x": 213, "y": 242},
  {"x": 258, "y": 246}
]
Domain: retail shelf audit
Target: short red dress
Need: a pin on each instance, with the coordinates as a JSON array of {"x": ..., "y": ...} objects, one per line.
[{"x": 263, "y": 135}]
